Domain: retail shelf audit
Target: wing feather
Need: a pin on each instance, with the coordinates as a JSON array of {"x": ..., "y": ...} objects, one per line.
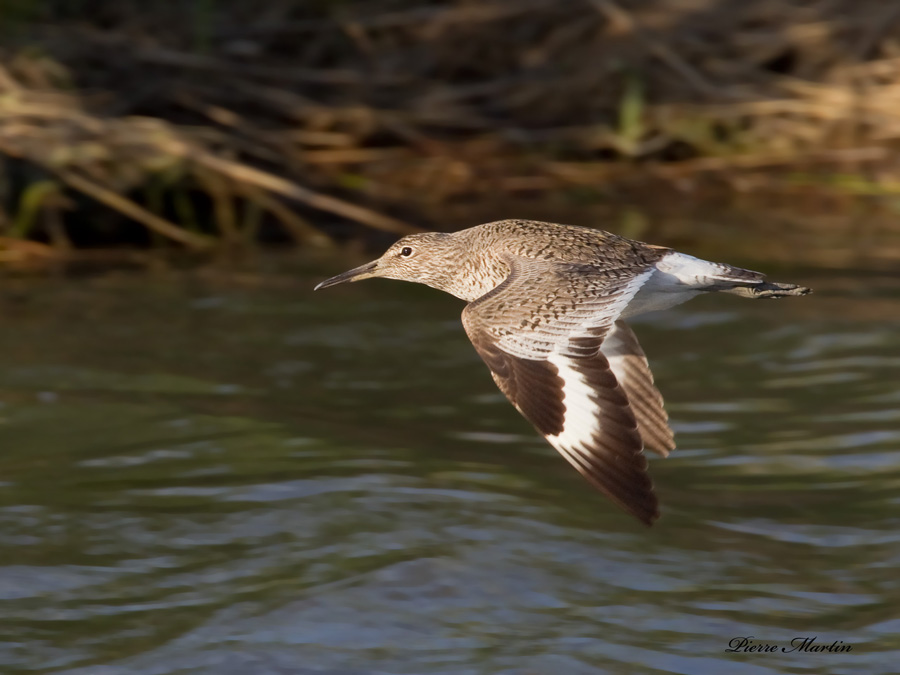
[
  {"x": 544, "y": 352},
  {"x": 628, "y": 362}
]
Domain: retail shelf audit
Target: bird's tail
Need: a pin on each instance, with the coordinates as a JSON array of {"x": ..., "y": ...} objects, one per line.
[
  {"x": 710, "y": 276},
  {"x": 750, "y": 284}
]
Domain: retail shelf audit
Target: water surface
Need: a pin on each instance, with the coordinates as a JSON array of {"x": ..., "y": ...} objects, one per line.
[{"x": 228, "y": 474}]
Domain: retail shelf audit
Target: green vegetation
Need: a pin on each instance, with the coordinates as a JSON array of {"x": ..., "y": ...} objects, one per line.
[{"x": 215, "y": 123}]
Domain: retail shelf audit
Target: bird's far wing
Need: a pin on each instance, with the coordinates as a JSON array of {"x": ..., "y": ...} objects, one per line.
[
  {"x": 628, "y": 363},
  {"x": 540, "y": 335}
]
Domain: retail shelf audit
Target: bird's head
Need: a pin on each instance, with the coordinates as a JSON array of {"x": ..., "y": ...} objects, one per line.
[{"x": 425, "y": 258}]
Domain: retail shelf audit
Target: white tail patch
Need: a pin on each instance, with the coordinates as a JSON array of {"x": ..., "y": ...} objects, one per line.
[
  {"x": 690, "y": 271},
  {"x": 678, "y": 277}
]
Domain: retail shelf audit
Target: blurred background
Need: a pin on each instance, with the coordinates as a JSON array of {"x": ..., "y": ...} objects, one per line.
[
  {"x": 201, "y": 123},
  {"x": 205, "y": 468}
]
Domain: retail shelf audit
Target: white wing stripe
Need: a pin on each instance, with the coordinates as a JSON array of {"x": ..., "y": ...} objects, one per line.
[{"x": 582, "y": 423}]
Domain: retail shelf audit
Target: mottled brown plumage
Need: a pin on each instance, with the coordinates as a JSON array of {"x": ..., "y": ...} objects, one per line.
[{"x": 545, "y": 313}]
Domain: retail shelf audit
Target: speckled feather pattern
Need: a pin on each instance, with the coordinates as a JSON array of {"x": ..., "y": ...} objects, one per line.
[{"x": 545, "y": 311}]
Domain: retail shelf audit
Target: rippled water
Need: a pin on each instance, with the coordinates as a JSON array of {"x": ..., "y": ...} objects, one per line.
[{"x": 202, "y": 475}]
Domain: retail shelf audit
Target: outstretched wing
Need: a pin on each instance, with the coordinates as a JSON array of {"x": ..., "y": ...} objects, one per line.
[{"x": 540, "y": 332}]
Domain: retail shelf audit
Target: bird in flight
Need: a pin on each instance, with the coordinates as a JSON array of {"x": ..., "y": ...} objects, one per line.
[{"x": 547, "y": 309}]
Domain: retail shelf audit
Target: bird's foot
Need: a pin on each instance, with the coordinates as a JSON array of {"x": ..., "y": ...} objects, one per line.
[{"x": 769, "y": 290}]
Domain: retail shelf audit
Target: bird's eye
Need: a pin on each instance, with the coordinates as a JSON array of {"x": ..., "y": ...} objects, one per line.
[{"x": 406, "y": 251}]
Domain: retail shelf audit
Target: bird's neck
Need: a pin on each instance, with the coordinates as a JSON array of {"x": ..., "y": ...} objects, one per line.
[{"x": 471, "y": 274}]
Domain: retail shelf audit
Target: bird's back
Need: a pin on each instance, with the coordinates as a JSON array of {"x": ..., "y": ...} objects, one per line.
[{"x": 551, "y": 242}]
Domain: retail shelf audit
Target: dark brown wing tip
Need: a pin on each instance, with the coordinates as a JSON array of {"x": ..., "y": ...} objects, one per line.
[
  {"x": 648, "y": 514},
  {"x": 646, "y": 511},
  {"x": 641, "y": 501},
  {"x": 650, "y": 519}
]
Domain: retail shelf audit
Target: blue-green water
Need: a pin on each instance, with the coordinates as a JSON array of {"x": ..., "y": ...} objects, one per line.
[{"x": 233, "y": 475}]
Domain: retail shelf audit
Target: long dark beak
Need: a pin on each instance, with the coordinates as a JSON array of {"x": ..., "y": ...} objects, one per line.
[{"x": 357, "y": 273}]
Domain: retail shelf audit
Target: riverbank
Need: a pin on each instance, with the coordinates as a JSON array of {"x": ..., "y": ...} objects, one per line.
[{"x": 203, "y": 125}]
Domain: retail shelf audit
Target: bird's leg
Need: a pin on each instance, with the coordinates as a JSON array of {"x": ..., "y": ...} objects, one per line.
[{"x": 768, "y": 290}]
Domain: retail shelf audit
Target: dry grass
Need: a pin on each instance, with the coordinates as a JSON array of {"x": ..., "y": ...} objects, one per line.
[{"x": 210, "y": 129}]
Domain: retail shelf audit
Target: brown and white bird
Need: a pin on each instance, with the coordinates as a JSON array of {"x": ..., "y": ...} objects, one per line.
[{"x": 546, "y": 313}]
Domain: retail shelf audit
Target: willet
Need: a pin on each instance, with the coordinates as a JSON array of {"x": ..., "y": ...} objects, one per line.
[{"x": 546, "y": 313}]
